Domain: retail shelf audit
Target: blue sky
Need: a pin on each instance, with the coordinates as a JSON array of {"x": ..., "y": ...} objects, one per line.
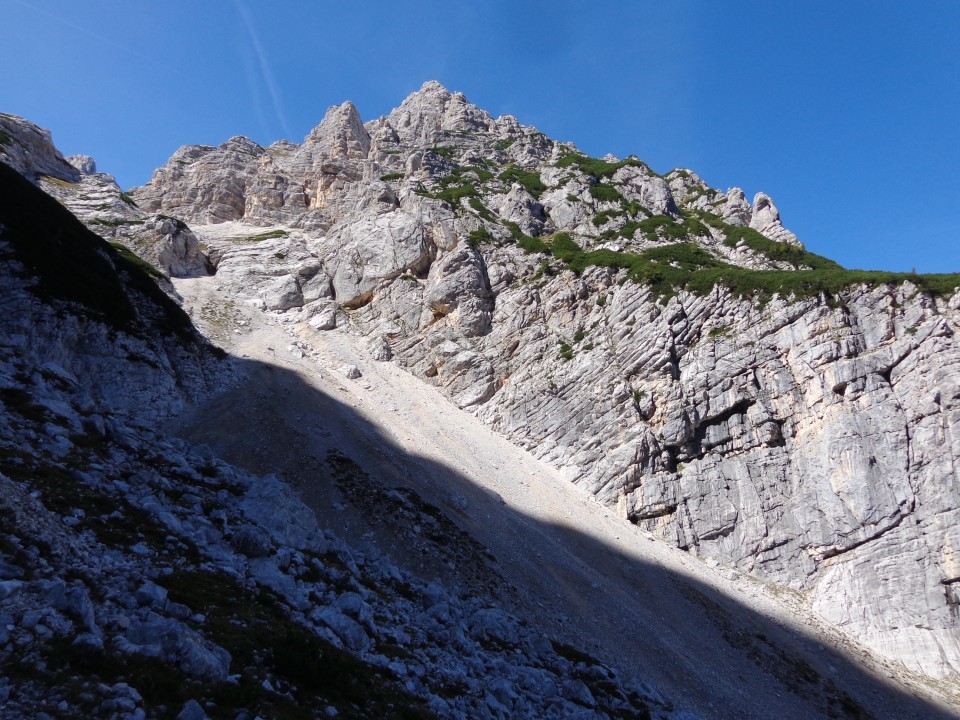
[{"x": 846, "y": 113}]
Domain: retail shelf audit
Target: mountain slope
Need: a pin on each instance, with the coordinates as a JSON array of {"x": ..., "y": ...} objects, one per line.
[
  {"x": 142, "y": 577},
  {"x": 715, "y": 642},
  {"x": 669, "y": 347}
]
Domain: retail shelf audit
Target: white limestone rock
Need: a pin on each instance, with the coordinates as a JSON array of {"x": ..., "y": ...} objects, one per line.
[
  {"x": 341, "y": 134},
  {"x": 766, "y": 220},
  {"x": 426, "y": 114},
  {"x": 520, "y": 207},
  {"x": 351, "y": 372},
  {"x": 84, "y": 163},
  {"x": 29, "y": 150},
  {"x": 737, "y": 210}
]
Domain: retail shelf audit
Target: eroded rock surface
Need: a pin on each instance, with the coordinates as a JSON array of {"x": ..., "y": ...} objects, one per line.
[
  {"x": 97, "y": 200},
  {"x": 802, "y": 437}
]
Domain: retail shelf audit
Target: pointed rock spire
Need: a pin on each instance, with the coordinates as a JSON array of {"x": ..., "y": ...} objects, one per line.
[
  {"x": 736, "y": 210},
  {"x": 341, "y": 133},
  {"x": 766, "y": 220}
]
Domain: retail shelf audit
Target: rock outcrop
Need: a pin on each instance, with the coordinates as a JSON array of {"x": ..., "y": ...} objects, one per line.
[
  {"x": 97, "y": 200},
  {"x": 766, "y": 220}
]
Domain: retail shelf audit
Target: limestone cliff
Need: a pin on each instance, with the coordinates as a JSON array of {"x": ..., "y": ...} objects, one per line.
[
  {"x": 671, "y": 347},
  {"x": 142, "y": 577},
  {"x": 97, "y": 200}
]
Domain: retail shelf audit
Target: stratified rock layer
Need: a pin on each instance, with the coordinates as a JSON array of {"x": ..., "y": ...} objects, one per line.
[
  {"x": 806, "y": 439},
  {"x": 96, "y": 199}
]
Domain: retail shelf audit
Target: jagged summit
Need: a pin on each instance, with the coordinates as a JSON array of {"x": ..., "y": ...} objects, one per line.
[
  {"x": 342, "y": 133},
  {"x": 427, "y": 115},
  {"x": 422, "y": 142}
]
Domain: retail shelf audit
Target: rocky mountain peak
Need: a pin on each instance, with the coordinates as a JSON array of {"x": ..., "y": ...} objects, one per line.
[
  {"x": 241, "y": 145},
  {"x": 341, "y": 133},
  {"x": 84, "y": 163},
  {"x": 425, "y": 115},
  {"x": 29, "y": 149}
]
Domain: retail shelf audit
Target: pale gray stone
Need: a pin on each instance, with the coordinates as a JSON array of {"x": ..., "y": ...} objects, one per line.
[
  {"x": 84, "y": 163},
  {"x": 351, "y": 372}
]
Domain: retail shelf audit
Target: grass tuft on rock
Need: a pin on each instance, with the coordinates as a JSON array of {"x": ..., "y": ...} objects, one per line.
[{"x": 529, "y": 179}]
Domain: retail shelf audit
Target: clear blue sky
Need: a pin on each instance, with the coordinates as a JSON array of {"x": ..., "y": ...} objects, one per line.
[{"x": 846, "y": 113}]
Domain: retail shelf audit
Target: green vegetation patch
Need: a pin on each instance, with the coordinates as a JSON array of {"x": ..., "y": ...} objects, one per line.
[
  {"x": 687, "y": 266},
  {"x": 596, "y": 167},
  {"x": 445, "y": 151},
  {"x": 453, "y": 195},
  {"x": 461, "y": 183},
  {"x": 5, "y": 138},
  {"x": 605, "y": 216},
  {"x": 654, "y": 227},
  {"x": 59, "y": 181},
  {"x": 529, "y": 179},
  {"x": 524, "y": 241},
  {"x": 478, "y": 237},
  {"x": 390, "y": 177},
  {"x": 481, "y": 209},
  {"x": 131, "y": 257},
  {"x": 778, "y": 251},
  {"x": 606, "y": 193},
  {"x": 114, "y": 223},
  {"x": 483, "y": 175},
  {"x": 270, "y": 235}
]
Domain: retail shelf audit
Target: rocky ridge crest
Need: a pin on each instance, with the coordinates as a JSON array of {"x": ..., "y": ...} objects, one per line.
[{"x": 97, "y": 200}]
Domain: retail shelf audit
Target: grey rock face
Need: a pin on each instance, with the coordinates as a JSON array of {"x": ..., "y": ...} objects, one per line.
[
  {"x": 805, "y": 443},
  {"x": 458, "y": 289},
  {"x": 212, "y": 178},
  {"x": 766, "y": 219},
  {"x": 428, "y": 114},
  {"x": 341, "y": 133},
  {"x": 84, "y": 163},
  {"x": 737, "y": 210},
  {"x": 97, "y": 200},
  {"x": 30, "y": 151},
  {"x": 171, "y": 246}
]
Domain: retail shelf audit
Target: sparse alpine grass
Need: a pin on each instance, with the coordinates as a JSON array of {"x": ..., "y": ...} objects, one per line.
[
  {"x": 687, "y": 266},
  {"x": 598, "y": 168}
]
